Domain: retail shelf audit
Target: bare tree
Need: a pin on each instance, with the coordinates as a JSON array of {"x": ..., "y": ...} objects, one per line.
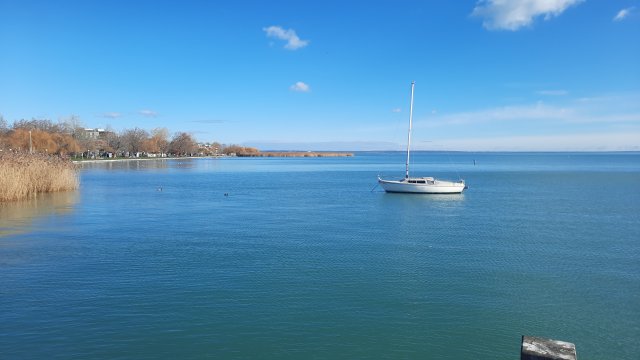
[
  {"x": 133, "y": 139},
  {"x": 160, "y": 139},
  {"x": 182, "y": 144},
  {"x": 240, "y": 150},
  {"x": 114, "y": 142},
  {"x": 72, "y": 125},
  {"x": 4, "y": 131},
  {"x": 36, "y": 124},
  {"x": 66, "y": 144},
  {"x": 4, "y": 127},
  {"x": 216, "y": 147}
]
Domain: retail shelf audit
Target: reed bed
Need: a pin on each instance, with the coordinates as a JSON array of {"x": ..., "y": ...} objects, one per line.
[{"x": 25, "y": 175}]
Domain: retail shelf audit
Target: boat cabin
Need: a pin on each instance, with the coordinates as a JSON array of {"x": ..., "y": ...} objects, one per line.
[{"x": 425, "y": 180}]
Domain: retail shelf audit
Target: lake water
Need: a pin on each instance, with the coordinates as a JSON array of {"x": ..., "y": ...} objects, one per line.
[{"x": 302, "y": 260}]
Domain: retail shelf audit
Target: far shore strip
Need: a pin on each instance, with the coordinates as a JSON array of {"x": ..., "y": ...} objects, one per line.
[
  {"x": 303, "y": 154},
  {"x": 262, "y": 154}
]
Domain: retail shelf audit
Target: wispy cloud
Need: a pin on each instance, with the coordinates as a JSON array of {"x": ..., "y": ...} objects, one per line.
[
  {"x": 538, "y": 111},
  {"x": 209, "y": 121},
  {"x": 623, "y": 14},
  {"x": 112, "y": 115},
  {"x": 300, "y": 87},
  {"x": 576, "y": 141},
  {"x": 577, "y": 112},
  {"x": 199, "y": 132},
  {"x": 288, "y": 35},
  {"x": 515, "y": 14},
  {"x": 396, "y": 110},
  {"x": 553, "y": 92},
  {"x": 148, "y": 113}
]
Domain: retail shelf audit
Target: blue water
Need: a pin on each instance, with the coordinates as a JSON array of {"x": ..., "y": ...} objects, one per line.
[{"x": 302, "y": 260}]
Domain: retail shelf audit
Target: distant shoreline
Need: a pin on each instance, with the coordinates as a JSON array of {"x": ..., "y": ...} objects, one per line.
[
  {"x": 308, "y": 154},
  {"x": 262, "y": 154},
  {"x": 303, "y": 154}
]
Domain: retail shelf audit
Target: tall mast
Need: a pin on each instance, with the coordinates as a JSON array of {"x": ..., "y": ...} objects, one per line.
[{"x": 413, "y": 83}]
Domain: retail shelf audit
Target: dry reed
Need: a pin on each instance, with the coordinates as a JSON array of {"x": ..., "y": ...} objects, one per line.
[{"x": 24, "y": 175}]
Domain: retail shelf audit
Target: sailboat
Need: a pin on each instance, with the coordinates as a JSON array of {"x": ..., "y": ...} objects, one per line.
[{"x": 420, "y": 185}]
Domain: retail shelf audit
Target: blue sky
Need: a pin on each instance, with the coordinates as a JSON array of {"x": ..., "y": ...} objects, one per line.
[{"x": 333, "y": 75}]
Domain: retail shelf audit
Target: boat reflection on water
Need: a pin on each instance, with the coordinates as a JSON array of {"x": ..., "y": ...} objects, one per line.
[
  {"x": 410, "y": 203},
  {"x": 18, "y": 216},
  {"x": 428, "y": 198}
]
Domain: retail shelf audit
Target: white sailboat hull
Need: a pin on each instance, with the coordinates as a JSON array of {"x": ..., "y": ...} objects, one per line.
[
  {"x": 422, "y": 186},
  {"x": 419, "y": 185}
]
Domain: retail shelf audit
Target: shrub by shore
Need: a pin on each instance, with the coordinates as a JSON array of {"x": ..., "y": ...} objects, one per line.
[{"x": 24, "y": 175}]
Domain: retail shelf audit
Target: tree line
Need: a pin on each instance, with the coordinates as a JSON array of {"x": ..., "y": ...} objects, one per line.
[{"x": 69, "y": 138}]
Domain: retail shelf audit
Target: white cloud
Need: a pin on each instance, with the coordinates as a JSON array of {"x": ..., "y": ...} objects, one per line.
[
  {"x": 209, "y": 121},
  {"x": 515, "y": 14},
  {"x": 396, "y": 110},
  {"x": 148, "y": 113},
  {"x": 538, "y": 111},
  {"x": 612, "y": 141},
  {"x": 300, "y": 87},
  {"x": 289, "y": 35},
  {"x": 607, "y": 111},
  {"x": 553, "y": 92},
  {"x": 623, "y": 14},
  {"x": 112, "y": 115}
]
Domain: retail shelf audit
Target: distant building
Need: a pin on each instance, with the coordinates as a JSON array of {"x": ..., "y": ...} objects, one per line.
[{"x": 95, "y": 133}]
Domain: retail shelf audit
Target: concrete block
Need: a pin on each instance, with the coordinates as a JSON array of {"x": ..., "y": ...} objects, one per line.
[{"x": 535, "y": 348}]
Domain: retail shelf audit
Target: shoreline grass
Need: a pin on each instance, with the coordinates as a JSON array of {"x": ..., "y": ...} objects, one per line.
[{"x": 25, "y": 175}]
